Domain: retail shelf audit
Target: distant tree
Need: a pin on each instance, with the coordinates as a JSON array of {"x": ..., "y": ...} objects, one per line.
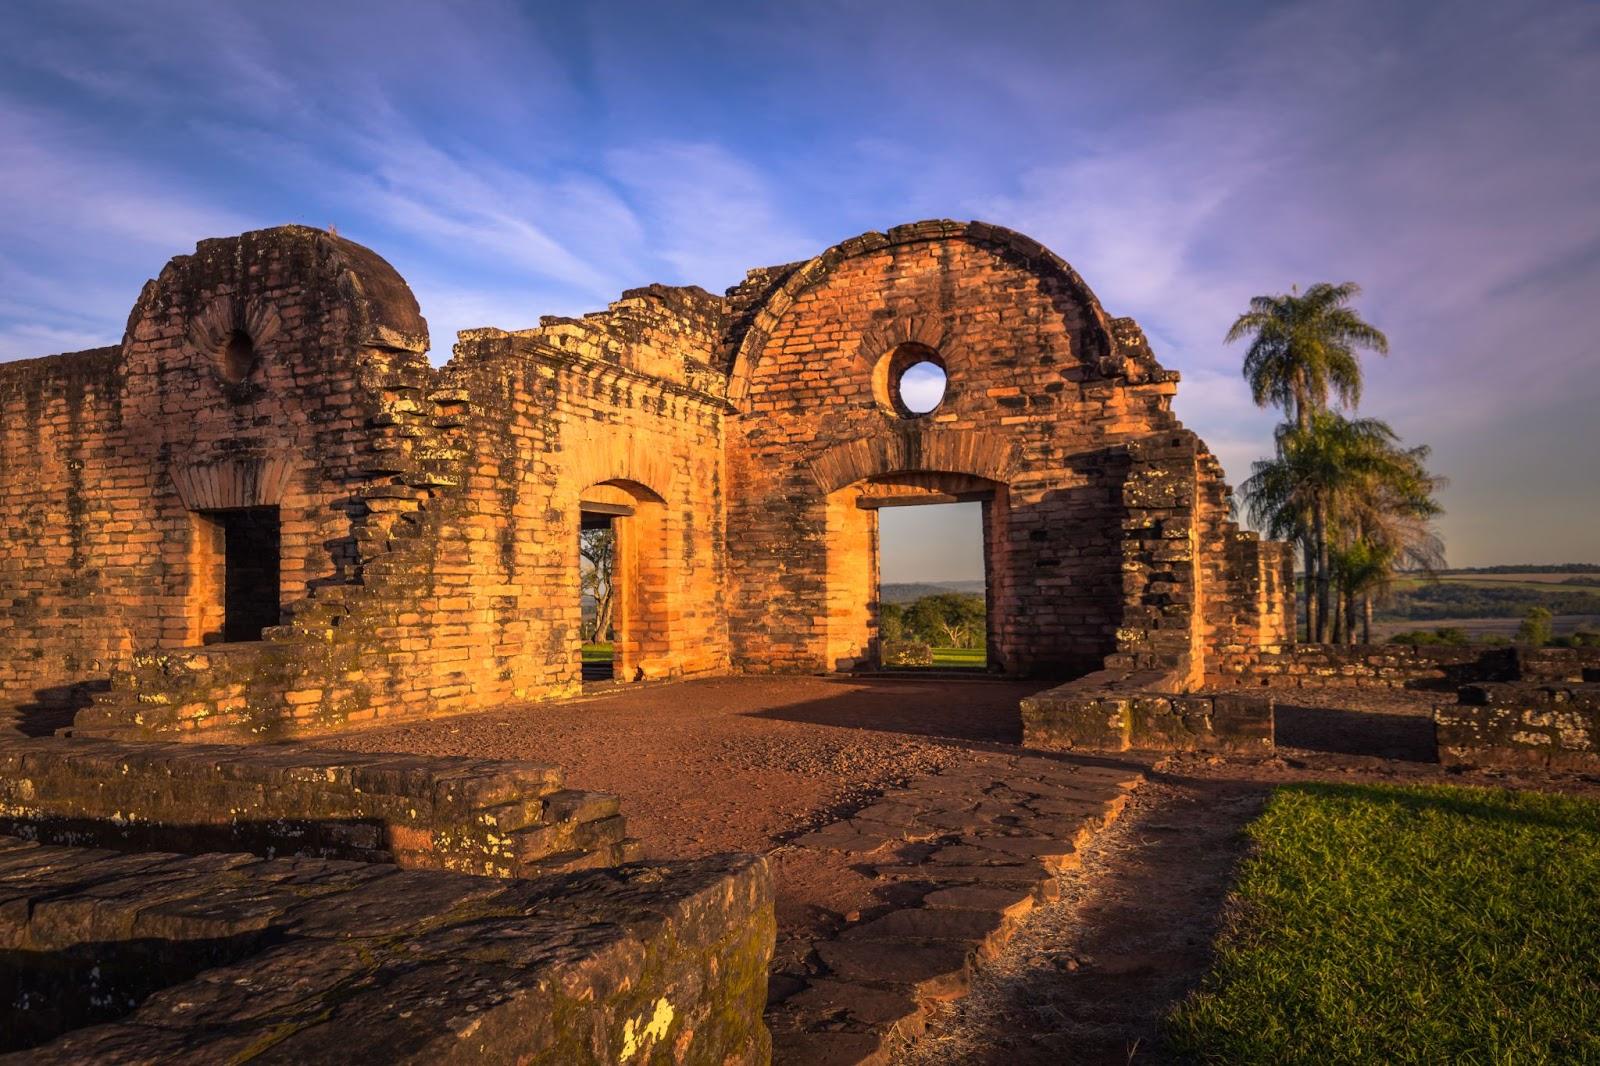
[
  {"x": 597, "y": 566},
  {"x": 1302, "y": 347},
  {"x": 953, "y": 617},
  {"x": 891, "y": 622},
  {"x": 1535, "y": 630}
]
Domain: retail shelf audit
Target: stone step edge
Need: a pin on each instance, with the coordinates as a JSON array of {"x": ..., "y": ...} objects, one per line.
[{"x": 873, "y": 1047}]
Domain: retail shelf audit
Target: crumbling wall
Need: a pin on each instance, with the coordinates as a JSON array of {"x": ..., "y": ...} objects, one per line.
[
  {"x": 73, "y": 543},
  {"x": 1515, "y": 725},
  {"x": 247, "y": 377}
]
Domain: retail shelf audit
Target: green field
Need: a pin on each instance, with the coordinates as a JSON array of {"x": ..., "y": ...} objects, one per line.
[
  {"x": 597, "y": 653},
  {"x": 975, "y": 658},
  {"x": 1416, "y": 925}
]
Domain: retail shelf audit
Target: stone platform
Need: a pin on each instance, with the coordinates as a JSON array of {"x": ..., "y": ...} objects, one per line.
[
  {"x": 115, "y": 958},
  {"x": 960, "y": 858},
  {"x": 495, "y": 817}
]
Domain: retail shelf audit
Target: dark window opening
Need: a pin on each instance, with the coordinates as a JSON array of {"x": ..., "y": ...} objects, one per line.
[
  {"x": 250, "y": 565},
  {"x": 238, "y": 357}
]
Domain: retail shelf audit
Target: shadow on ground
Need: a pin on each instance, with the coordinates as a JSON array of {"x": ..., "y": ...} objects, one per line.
[{"x": 1405, "y": 737}]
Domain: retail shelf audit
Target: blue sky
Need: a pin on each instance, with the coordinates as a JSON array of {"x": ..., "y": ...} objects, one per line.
[{"x": 514, "y": 160}]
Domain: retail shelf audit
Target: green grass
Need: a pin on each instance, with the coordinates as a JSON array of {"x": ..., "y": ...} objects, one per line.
[
  {"x": 1408, "y": 925},
  {"x": 968, "y": 657},
  {"x": 597, "y": 653}
]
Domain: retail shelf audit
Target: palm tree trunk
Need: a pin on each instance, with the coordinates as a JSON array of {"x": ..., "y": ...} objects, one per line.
[
  {"x": 1319, "y": 532},
  {"x": 1366, "y": 618},
  {"x": 1349, "y": 616},
  {"x": 1310, "y": 578}
]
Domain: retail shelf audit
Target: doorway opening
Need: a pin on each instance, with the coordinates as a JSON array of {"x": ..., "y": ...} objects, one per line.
[
  {"x": 625, "y": 565},
  {"x": 597, "y": 577},
  {"x": 237, "y": 574},
  {"x": 933, "y": 609}
]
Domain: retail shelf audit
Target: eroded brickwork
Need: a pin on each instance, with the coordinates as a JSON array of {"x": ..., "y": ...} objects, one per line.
[{"x": 427, "y": 519}]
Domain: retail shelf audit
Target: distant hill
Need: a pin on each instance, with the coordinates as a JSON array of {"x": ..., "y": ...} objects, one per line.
[
  {"x": 910, "y": 592},
  {"x": 1529, "y": 568}
]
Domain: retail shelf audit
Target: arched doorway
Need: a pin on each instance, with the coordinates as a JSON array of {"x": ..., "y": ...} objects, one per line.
[
  {"x": 637, "y": 618},
  {"x": 855, "y": 563}
]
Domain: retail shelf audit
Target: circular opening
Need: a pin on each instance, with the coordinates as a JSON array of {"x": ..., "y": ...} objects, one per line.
[
  {"x": 239, "y": 357},
  {"x": 921, "y": 386}
]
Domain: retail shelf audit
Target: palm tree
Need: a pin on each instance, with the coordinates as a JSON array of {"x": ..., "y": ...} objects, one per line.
[
  {"x": 1384, "y": 515},
  {"x": 1304, "y": 346},
  {"x": 1292, "y": 495}
]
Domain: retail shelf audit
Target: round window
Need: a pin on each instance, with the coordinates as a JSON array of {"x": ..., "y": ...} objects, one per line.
[
  {"x": 921, "y": 387},
  {"x": 910, "y": 380}
]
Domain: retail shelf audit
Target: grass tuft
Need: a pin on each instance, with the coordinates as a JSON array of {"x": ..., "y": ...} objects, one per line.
[{"x": 1408, "y": 925}]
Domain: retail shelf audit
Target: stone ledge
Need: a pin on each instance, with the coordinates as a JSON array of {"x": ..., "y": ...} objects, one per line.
[
  {"x": 171, "y": 958},
  {"x": 1116, "y": 711},
  {"x": 481, "y": 816},
  {"x": 1515, "y": 725}
]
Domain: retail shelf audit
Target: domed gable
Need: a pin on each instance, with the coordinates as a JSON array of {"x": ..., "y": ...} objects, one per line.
[{"x": 243, "y": 278}]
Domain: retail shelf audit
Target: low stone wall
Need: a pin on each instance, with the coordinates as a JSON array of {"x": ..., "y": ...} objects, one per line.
[
  {"x": 1520, "y": 725},
  {"x": 1113, "y": 711},
  {"x": 1556, "y": 665},
  {"x": 497, "y": 818},
  {"x": 1361, "y": 666},
  {"x": 108, "y": 957}
]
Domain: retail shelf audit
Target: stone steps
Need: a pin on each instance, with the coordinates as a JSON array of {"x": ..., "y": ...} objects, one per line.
[{"x": 965, "y": 856}]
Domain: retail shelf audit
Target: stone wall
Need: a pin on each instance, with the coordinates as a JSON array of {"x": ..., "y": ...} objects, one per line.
[
  {"x": 463, "y": 588},
  {"x": 489, "y": 817},
  {"x": 1116, "y": 711},
  {"x": 1521, "y": 724},
  {"x": 1361, "y": 666},
  {"x": 106, "y": 957}
]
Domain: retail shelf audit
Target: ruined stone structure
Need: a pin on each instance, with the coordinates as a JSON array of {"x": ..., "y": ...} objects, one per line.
[{"x": 264, "y": 513}]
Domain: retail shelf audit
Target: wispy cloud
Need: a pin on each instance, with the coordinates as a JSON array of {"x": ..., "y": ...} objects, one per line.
[{"x": 711, "y": 215}]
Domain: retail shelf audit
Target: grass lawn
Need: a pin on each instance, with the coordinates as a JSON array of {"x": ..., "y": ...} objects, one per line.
[
  {"x": 973, "y": 657},
  {"x": 1426, "y": 925},
  {"x": 597, "y": 653}
]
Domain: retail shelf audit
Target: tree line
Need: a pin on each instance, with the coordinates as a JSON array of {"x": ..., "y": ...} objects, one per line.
[{"x": 1357, "y": 502}]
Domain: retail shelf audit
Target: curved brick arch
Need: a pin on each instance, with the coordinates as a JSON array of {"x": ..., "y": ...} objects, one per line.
[
  {"x": 977, "y": 453},
  {"x": 1025, "y": 252}
]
